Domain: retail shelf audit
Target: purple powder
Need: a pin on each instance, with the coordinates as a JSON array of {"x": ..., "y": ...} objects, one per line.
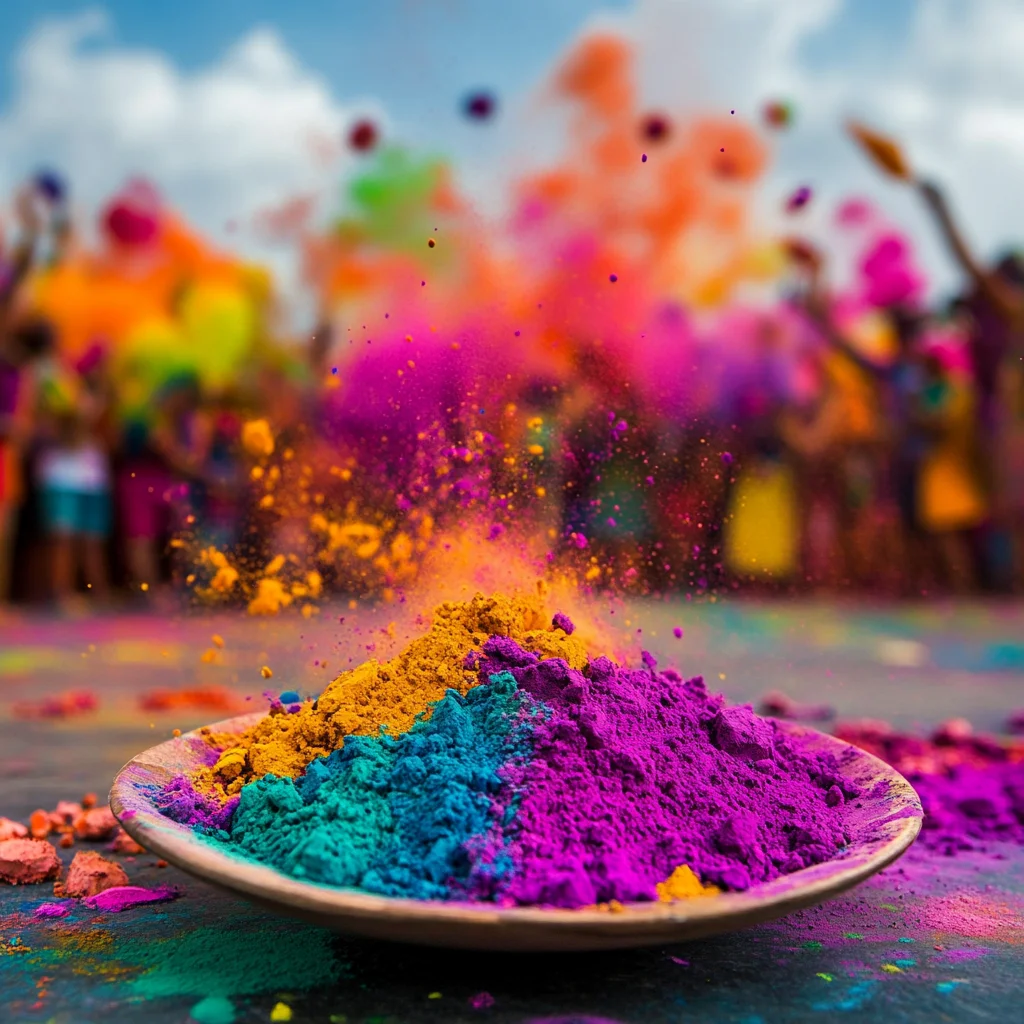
[
  {"x": 968, "y": 805},
  {"x": 971, "y": 786},
  {"x": 123, "y": 897},
  {"x": 180, "y": 802},
  {"x": 563, "y": 622},
  {"x": 61, "y": 909},
  {"x": 635, "y": 772}
]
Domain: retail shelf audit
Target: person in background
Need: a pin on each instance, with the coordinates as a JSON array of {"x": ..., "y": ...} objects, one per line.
[
  {"x": 224, "y": 482},
  {"x": 22, "y": 348},
  {"x": 163, "y": 460},
  {"x": 995, "y": 304},
  {"x": 74, "y": 479},
  {"x": 951, "y": 498},
  {"x": 24, "y": 341},
  {"x": 897, "y": 385}
]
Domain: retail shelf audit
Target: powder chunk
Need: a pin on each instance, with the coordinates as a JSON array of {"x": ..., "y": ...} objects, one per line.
[
  {"x": 213, "y": 1010},
  {"x": 123, "y": 843},
  {"x": 12, "y": 829},
  {"x": 97, "y": 823},
  {"x": 738, "y": 731},
  {"x": 28, "y": 861},
  {"x": 683, "y": 884},
  {"x": 563, "y": 622},
  {"x": 90, "y": 873}
]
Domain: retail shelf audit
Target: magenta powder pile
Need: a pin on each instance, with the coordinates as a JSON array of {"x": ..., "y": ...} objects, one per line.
[{"x": 635, "y": 772}]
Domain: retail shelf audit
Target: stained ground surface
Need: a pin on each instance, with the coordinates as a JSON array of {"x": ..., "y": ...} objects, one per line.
[{"x": 932, "y": 938}]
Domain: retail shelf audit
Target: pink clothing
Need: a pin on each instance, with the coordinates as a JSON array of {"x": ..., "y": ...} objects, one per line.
[{"x": 144, "y": 500}]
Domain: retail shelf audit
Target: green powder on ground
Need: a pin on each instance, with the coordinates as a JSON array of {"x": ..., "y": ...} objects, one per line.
[
  {"x": 213, "y": 1010},
  {"x": 220, "y": 961}
]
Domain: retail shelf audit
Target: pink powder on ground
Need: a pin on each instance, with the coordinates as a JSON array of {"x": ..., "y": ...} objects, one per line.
[
  {"x": 123, "y": 897},
  {"x": 971, "y": 787},
  {"x": 61, "y": 909}
]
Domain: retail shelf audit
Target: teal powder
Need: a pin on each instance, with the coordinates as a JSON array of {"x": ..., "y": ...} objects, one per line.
[
  {"x": 226, "y": 961},
  {"x": 213, "y": 1010},
  {"x": 400, "y": 816}
]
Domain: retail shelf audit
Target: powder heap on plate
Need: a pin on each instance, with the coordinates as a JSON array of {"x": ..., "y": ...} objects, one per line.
[{"x": 538, "y": 776}]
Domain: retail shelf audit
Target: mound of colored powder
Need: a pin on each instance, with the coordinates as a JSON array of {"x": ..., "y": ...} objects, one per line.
[
  {"x": 543, "y": 780},
  {"x": 399, "y": 816},
  {"x": 971, "y": 787},
  {"x": 389, "y": 695}
]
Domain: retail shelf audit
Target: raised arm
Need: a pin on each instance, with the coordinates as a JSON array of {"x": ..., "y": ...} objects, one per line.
[
  {"x": 815, "y": 304},
  {"x": 1009, "y": 305},
  {"x": 29, "y": 225}
]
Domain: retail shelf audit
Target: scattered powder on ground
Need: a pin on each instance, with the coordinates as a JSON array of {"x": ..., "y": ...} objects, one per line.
[
  {"x": 218, "y": 961},
  {"x": 971, "y": 787}
]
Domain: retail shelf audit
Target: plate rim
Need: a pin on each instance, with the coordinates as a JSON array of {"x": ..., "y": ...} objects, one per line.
[{"x": 177, "y": 844}]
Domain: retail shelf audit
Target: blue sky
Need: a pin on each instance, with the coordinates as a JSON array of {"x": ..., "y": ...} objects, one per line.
[{"x": 415, "y": 56}]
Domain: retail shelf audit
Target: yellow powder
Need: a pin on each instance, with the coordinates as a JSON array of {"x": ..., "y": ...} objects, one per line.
[
  {"x": 257, "y": 438},
  {"x": 362, "y": 700},
  {"x": 683, "y": 884}
]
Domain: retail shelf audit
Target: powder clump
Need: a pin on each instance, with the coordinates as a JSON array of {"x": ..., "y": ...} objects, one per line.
[{"x": 28, "y": 861}]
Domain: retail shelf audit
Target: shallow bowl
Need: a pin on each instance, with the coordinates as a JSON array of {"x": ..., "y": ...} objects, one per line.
[{"x": 882, "y": 824}]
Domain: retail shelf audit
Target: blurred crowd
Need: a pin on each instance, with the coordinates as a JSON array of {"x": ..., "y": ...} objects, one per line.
[{"x": 897, "y": 470}]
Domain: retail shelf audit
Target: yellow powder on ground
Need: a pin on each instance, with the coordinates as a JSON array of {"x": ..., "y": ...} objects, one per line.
[
  {"x": 392, "y": 694},
  {"x": 683, "y": 884}
]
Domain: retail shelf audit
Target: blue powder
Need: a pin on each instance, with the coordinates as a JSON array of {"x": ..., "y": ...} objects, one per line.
[{"x": 399, "y": 816}]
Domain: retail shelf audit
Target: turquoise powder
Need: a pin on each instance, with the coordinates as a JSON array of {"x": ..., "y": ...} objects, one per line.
[
  {"x": 213, "y": 1010},
  {"x": 399, "y": 816}
]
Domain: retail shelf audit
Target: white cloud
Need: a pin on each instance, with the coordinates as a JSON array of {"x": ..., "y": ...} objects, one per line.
[
  {"x": 951, "y": 89},
  {"x": 220, "y": 142},
  {"x": 229, "y": 139}
]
